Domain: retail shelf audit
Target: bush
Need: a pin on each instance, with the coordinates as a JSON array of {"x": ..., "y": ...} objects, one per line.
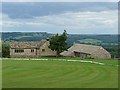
[{"x": 5, "y": 50}]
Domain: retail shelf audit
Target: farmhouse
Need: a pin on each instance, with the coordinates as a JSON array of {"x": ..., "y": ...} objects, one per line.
[
  {"x": 40, "y": 48},
  {"x": 31, "y": 49},
  {"x": 86, "y": 51}
]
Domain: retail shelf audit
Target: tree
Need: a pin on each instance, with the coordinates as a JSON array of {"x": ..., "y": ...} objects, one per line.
[
  {"x": 58, "y": 43},
  {"x": 5, "y": 50}
]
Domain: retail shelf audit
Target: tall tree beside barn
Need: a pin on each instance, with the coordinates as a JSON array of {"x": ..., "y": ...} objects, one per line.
[
  {"x": 5, "y": 49},
  {"x": 58, "y": 42}
]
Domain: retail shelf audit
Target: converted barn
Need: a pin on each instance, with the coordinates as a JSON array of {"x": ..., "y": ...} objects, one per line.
[
  {"x": 87, "y": 51},
  {"x": 31, "y": 49}
]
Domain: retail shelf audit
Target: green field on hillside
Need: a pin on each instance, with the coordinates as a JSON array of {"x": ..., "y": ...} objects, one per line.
[
  {"x": 92, "y": 41},
  {"x": 59, "y": 74}
]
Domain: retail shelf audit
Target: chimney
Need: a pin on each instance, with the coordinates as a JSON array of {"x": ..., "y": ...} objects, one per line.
[
  {"x": 47, "y": 39},
  {"x": 74, "y": 43}
]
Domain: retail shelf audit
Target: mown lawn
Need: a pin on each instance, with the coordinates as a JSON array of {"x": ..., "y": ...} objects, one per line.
[{"x": 59, "y": 74}]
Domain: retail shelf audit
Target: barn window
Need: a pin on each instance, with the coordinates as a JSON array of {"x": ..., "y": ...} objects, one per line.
[
  {"x": 19, "y": 50},
  {"x": 15, "y": 50},
  {"x": 32, "y": 50},
  {"x": 22, "y": 50},
  {"x": 43, "y": 50}
]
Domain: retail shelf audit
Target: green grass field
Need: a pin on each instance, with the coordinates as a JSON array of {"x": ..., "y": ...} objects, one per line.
[{"x": 59, "y": 74}]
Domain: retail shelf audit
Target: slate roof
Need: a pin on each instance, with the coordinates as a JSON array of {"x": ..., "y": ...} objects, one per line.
[
  {"x": 87, "y": 48},
  {"x": 30, "y": 44},
  {"x": 95, "y": 51}
]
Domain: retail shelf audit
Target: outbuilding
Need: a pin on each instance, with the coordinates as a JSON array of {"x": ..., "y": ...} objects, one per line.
[{"x": 86, "y": 51}]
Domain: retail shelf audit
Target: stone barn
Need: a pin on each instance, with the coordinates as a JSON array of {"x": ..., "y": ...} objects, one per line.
[
  {"x": 31, "y": 49},
  {"x": 87, "y": 51}
]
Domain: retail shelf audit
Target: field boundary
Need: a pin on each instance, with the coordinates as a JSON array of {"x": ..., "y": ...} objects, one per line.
[{"x": 67, "y": 60}]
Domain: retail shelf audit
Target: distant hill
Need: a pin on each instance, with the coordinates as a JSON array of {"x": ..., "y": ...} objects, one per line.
[
  {"x": 78, "y": 38},
  {"x": 26, "y": 36},
  {"x": 91, "y": 41}
]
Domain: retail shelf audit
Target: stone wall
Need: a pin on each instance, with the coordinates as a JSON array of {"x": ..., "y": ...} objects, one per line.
[
  {"x": 41, "y": 51},
  {"x": 46, "y": 51},
  {"x": 26, "y": 53}
]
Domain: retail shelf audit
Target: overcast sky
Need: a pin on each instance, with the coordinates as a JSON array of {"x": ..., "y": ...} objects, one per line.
[{"x": 51, "y": 17}]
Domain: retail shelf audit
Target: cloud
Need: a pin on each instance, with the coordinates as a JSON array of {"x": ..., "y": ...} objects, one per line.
[
  {"x": 29, "y": 10},
  {"x": 60, "y": 1},
  {"x": 78, "y": 18},
  {"x": 104, "y": 22}
]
